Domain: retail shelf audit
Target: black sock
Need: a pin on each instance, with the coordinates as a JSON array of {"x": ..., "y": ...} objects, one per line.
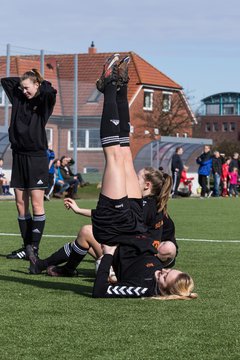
[
  {"x": 38, "y": 223},
  {"x": 109, "y": 129},
  {"x": 124, "y": 116},
  {"x": 76, "y": 256},
  {"x": 25, "y": 226},
  {"x": 60, "y": 256}
]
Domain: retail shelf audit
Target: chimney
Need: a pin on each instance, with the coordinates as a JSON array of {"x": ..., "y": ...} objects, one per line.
[{"x": 92, "y": 49}]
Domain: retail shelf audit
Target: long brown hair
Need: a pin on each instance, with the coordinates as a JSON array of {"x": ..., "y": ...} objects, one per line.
[
  {"x": 33, "y": 75},
  {"x": 161, "y": 186}
]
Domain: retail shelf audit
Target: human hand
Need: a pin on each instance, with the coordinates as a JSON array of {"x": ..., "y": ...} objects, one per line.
[{"x": 71, "y": 204}]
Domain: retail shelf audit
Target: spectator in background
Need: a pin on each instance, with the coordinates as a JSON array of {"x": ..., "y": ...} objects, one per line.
[
  {"x": 205, "y": 164},
  {"x": 51, "y": 172},
  {"x": 185, "y": 188},
  {"x": 234, "y": 162},
  {"x": 217, "y": 161},
  {"x": 225, "y": 177},
  {"x": 60, "y": 186},
  {"x": 4, "y": 182},
  {"x": 78, "y": 175},
  {"x": 176, "y": 168},
  {"x": 233, "y": 180},
  {"x": 68, "y": 176}
]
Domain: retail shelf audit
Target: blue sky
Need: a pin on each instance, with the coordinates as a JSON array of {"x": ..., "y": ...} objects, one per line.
[{"x": 196, "y": 43}]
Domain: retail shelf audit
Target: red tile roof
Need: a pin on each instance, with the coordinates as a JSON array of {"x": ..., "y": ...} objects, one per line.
[{"x": 89, "y": 69}]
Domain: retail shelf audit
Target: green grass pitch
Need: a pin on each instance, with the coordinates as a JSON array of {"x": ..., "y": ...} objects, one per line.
[{"x": 56, "y": 318}]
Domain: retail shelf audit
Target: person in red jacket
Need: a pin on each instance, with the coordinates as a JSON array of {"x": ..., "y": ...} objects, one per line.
[
  {"x": 186, "y": 181},
  {"x": 225, "y": 176}
]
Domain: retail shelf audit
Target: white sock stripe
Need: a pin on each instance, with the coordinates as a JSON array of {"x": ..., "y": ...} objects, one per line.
[
  {"x": 78, "y": 250},
  {"x": 110, "y": 141},
  {"x": 108, "y": 138},
  {"x": 39, "y": 218},
  {"x": 27, "y": 217},
  {"x": 67, "y": 249},
  {"x": 124, "y": 140}
]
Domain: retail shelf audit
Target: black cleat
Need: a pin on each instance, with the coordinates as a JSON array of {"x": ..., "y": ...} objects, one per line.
[
  {"x": 18, "y": 254},
  {"x": 61, "y": 271},
  {"x": 32, "y": 255}
]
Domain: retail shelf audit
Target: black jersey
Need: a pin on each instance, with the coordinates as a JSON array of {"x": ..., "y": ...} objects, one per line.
[
  {"x": 137, "y": 277},
  {"x": 27, "y": 133},
  {"x": 152, "y": 218}
]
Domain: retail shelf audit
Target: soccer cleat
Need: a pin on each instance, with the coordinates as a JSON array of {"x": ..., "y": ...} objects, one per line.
[
  {"x": 109, "y": 74},
  {"x": 123, "y": 78},
  {"x": 17, "y": 254},
  {"x": 32, "y": 255},
  {"x": 61, "y": 271}
]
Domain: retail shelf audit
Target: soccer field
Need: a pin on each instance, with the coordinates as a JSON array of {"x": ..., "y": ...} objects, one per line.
[{"x": 56, "y": 318}]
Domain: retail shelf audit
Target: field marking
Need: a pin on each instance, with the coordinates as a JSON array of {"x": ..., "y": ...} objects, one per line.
[
  {"x": 178, "y": 239},
  {"x": 207, "y": 240}
]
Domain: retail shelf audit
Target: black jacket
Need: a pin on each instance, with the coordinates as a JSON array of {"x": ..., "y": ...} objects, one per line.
[
  {"x": 136, "y": 275},
  {"x": 217, "y": 165},
  {"x": 177, "y": 163},
  {"x": 27, "y": 133}
]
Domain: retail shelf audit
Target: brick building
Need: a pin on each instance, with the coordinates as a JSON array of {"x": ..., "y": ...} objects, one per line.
[
  {"x": 153, "y": 98},
  {"x": 220, "y": 119}
]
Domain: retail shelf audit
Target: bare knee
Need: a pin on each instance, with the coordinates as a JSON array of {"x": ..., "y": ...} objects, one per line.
[
  {"x": 167, "y": 250},
  {"x": 85, "y": 233}
]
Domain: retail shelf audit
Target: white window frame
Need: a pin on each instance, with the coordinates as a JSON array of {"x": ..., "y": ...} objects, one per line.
[
  {"x": 232, "y": 126},
  {"x": 150, "y": 92},
  {"x": 208, "y": 127},
  {"x": 87, "y": 148},
  {"x": 169, "y": 93},
  {"x": 223, "y": 124},
  {"x": 3, "y": 95},
  {"x": 50, "y": 140}
]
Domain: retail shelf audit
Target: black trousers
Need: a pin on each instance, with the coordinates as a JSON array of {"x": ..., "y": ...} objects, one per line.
[{"x": 202, "y": 179}]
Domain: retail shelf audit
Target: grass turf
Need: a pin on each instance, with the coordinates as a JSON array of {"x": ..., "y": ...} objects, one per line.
[{"x": 43, "y": 317}]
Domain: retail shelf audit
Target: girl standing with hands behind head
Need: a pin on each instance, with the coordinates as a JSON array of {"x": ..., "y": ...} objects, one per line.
[{"x": 32, "y": 100}]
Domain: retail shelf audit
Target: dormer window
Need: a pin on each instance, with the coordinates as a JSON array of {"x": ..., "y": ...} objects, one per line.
[{"x": 148, "y": 100}]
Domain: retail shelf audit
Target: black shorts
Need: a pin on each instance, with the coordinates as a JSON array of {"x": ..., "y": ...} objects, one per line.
[
  {"x": 115, "y": 220},
  {"x": 29, "y": 172}
]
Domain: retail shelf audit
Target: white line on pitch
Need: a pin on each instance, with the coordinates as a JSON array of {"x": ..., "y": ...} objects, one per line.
[
  {"x": 207, "y": 240},
  {"x": 178, "y": 239}
]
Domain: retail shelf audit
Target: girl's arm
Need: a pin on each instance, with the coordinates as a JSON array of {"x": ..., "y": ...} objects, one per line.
[
  {"x": 71, "y": 204},
  {"x": 47, "y": 98},
  {"x": 10, "y": 85}
]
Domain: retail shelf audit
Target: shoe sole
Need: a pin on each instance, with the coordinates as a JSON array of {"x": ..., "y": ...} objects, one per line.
[{"x": 115, "y": 59}]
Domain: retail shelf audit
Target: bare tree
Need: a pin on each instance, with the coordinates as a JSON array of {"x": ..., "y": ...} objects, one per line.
[{"x": 171, "y": 115}]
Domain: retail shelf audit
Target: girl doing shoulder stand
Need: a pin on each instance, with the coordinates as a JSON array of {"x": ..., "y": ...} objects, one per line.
[
  {"x": 32, "y": 100},
  {"x": 118, "y": 218}
]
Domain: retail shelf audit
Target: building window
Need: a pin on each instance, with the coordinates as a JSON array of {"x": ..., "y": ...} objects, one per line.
[
  {"x": 212, "y": 109},
  {"x": 49, "y": 133},
  {"x": 207, "y": 127},
  {"x": 2, "y": 96},
  {"x": 166, "y": 104},
  {"x": 225, "y": 126},
  {"x": 229, "y": 109},
  {"x": 87, "y": 139},
  {"x": 232, "y": 126},
  {"x": 148, "y": 100},
  {"x": 215, "y": 126}
]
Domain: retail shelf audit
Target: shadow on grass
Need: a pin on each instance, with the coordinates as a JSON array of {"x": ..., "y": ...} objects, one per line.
[{"x": 78, "y": 289}]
